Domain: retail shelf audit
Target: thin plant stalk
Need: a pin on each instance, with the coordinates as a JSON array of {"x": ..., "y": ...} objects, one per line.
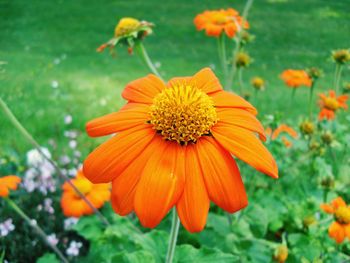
[
  {"x": 256, "y": 93},
  {"x": 142, "y": 52},
  {"x": 222, "y": 55},
  {"x": 294, "y": 90},
  {"x": 337, "y": 75},
  {"x": 175, "y": 225},
  {"x": 32, "y": 141},
  {"x": 240, "y": 80},
  {"x": 310, "y": 98},
  {"x": 36, "y": 228},
  {"x": 237, "y": 48}
]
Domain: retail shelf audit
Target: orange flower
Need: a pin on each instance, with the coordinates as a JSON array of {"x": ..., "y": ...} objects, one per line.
[
  {"x": 283, "y": 128},
  {"x": 330, "y": 104},
  {"x": 340, "y": 228},
  {"x": 73, "y": 205},
  {"x": 296, "y": 78},
  {"x": 217, "y": 21},
  {"x": 173, "y": 148},
  {"x": 8, "y": 183}
]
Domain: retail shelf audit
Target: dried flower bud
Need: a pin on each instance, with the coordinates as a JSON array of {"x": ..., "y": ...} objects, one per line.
[
  {"x": 258, "y": 83},
  {"x": 307, "y": 127},
  {"x": 314, "y": 73},
  {"x": 309, "y": 220},
  {"x": 341, "y": 56},
  {"x": 328, "y": 182},
  {"x": 281, "y": 254},
  {"x": 327, "y": 137},
  {"x": 243, "y": 60}
]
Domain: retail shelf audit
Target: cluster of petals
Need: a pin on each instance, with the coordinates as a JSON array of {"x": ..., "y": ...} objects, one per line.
[
  {"x": 296, "y": 78},
  {"x": 75, "y": 206},
  {"x": 282, "y": 129},
  {"x": 214, "y": 22},
  {"x": 150, "y": 175},
  {"x": 340, "y": 227},
  {"x": 330, "y": 104},
  {"x": 8, "y": 183}
]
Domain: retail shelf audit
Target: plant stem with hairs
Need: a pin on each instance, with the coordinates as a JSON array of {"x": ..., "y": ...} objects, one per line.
[{"x": 175, "y": 224}]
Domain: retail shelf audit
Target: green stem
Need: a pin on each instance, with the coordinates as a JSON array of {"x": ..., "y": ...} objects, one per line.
[
  {"x": 337, "y": 75},
  {"x": 237, "y": 48},
  {"x": 141, "y": 51},
  {"x": 256, "y": 93},
  {"x": 310, "y": 99},
  {"x": 294, "y": 90},
  {"x": 175, "y": 224},
  {"x": 240, "y": 80},
  {"x": 334, "y": 158},
  {"x": 222, "y": 55},
  {"x": 35, "y": 226},
  {"x": 32, "y": 141}
]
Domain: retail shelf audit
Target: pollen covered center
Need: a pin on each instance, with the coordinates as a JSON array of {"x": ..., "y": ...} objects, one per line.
[
  {"x": 84, "y": 186},
  {"x": 331, "y": 104},
  {"x": 342, "y": 215},
  {"x": 183, "y": 113},
  {"x": 125, "y": 26}
]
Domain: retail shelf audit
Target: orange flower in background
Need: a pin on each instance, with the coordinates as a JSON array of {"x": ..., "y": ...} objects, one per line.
[
  {"x": 283, "y": 128},
  {"x": 73, "y": 205},
  {"x": 8, "y": 183},
  {"x": 296, "y": 78},
  {"x": 217, "y": 21},
  {"x": 340, "y": 228},
  {"x": 173, "y": 148},
  {"x": 330, "y": 104}
]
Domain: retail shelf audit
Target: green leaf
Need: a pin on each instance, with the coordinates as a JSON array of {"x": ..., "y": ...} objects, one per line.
[
  {"x": 141, "y": 256},
  {"x": 156, "y": 242},
  {"x": 90, "y": 227},
  {"x": 189, "y": 254},
  {"x": 48, "y": 258},
  {"x": 258, "y": 220}
]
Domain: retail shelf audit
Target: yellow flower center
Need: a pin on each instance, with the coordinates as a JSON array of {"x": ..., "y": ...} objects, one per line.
[
  {"x": 183, "y": 113},
  {"x": 83, "y": 185},
  {"x": 125, "y": 26},
  {"x": 220, "y": 19},
  {"x": 331, "y": 104},
  {"x": 342, "y": 215}
]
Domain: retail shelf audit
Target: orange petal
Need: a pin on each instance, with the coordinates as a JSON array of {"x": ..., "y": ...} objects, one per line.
[
  {"x": 230, "y": 30},
  {"x": 337, "y": 232},
  {"x": 109, "y": 160},
  {"x": 221, "y": 176},
  {"x": 224, "y": 99},
  {"x": 124, "y": 186},
  {"x": 347, "y": 230},
  {"x": 327, "y": 208},
  {"x": 131, "y": 115},
  {"x": 193, "y": 205},
  {"x": 161, "y": 184},
  {"x": 73, "y": 206},
  {"x": 4, "y": 191},
  {"x": 143, "y": 90},
  {"x": 241, "y": 118},
  {"x": 206, "y": 80},
  {"x": 338, "y": 202},
  {"x": 10, "y": 181},
  {"x": 98, "y": 197},
  {"x": 247, "y": 147},
  {"x": 213, "y": 30}
]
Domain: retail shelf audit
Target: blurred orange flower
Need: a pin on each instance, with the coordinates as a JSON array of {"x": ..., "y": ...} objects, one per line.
[
  {"x": 330, "y": 104},
  {"x": 340, "y": 228},
  {"x": 214, "y": 22},
  {"x": 283, "y": 128},
  {"x": 8, "y": 183},
  {"x": 73, "y": 205},
  {"x": 173, "y": 147},
  {"x": 296, "y": 78}
]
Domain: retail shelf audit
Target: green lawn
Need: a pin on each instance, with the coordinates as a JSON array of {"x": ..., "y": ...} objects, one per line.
[{"x": 46, "y": 41}]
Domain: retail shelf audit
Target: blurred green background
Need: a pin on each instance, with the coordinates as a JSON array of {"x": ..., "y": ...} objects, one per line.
[{"x": 52, "y": 68}]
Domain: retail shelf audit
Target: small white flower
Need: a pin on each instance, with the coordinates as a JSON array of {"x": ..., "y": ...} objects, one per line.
[
  {"x": 68, "y": 119},
  {"x": 64, "y": 160},
  {"x": 73, "y": 144},
  {"x": 34, "y": 157},
  {"x": 6, "y": 227},
  {"x": 54, "y": 84},
  {"x": 73, "y": 249},
  {"x": 72, "y": 172},
  {"x": 70, "y": 222},
  {"x": 53, "y": 240}
]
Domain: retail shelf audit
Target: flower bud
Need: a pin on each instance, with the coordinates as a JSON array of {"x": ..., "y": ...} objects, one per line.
[
  {"x": 307, "y": 127},
  {"x": 281, "y": 254},
  {"x": 258, "y": 83},
  {"x": 243, "y": 60},
  {"x": 341, "y": 56},
  {"x": 327, "y": 137}
]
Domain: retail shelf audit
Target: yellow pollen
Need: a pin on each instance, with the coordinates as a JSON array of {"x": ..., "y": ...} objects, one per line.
[
  {"x": 342, "y": 215},
  {"x": 125, "y": 26},
  {"x": 183, "y": 113},
  {"x": 83, "y": 185},
  {"x": 220, "y": 19},
  {"x": 331, "y": 104}
]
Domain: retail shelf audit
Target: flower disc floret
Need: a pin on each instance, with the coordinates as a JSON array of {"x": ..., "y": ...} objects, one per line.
[
  {"x": 183, "y": 113},
  {"x": 342, "y": 215}
]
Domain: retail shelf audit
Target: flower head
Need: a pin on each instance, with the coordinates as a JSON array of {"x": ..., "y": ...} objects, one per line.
[
  {"x": 173, "y": 148},
  {"x": 243, "y": 60},
  {"x": 6, "y": 227},
  {"x": 215, "y": 22},
  {"x": 8, "y": 183},
  {"x": 283, "y": 128},
  {"x": 258, "y": 83},
  {"x": 341, "y": 56},
  {"x": 128, "y": 31},
  {"x": 73, "y": 205},
  {"x": 281, "y": 254},
  {"x": 340, "y": 228},
  {"x": 296, "y": 78},
  {"x": 314, "y": 73},
  {"x": 307, "y": 127},
  {"x": 330, "y": 104}
]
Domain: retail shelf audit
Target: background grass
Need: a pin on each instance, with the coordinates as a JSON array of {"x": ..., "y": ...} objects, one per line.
[{"x": 46, "y": 41}]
